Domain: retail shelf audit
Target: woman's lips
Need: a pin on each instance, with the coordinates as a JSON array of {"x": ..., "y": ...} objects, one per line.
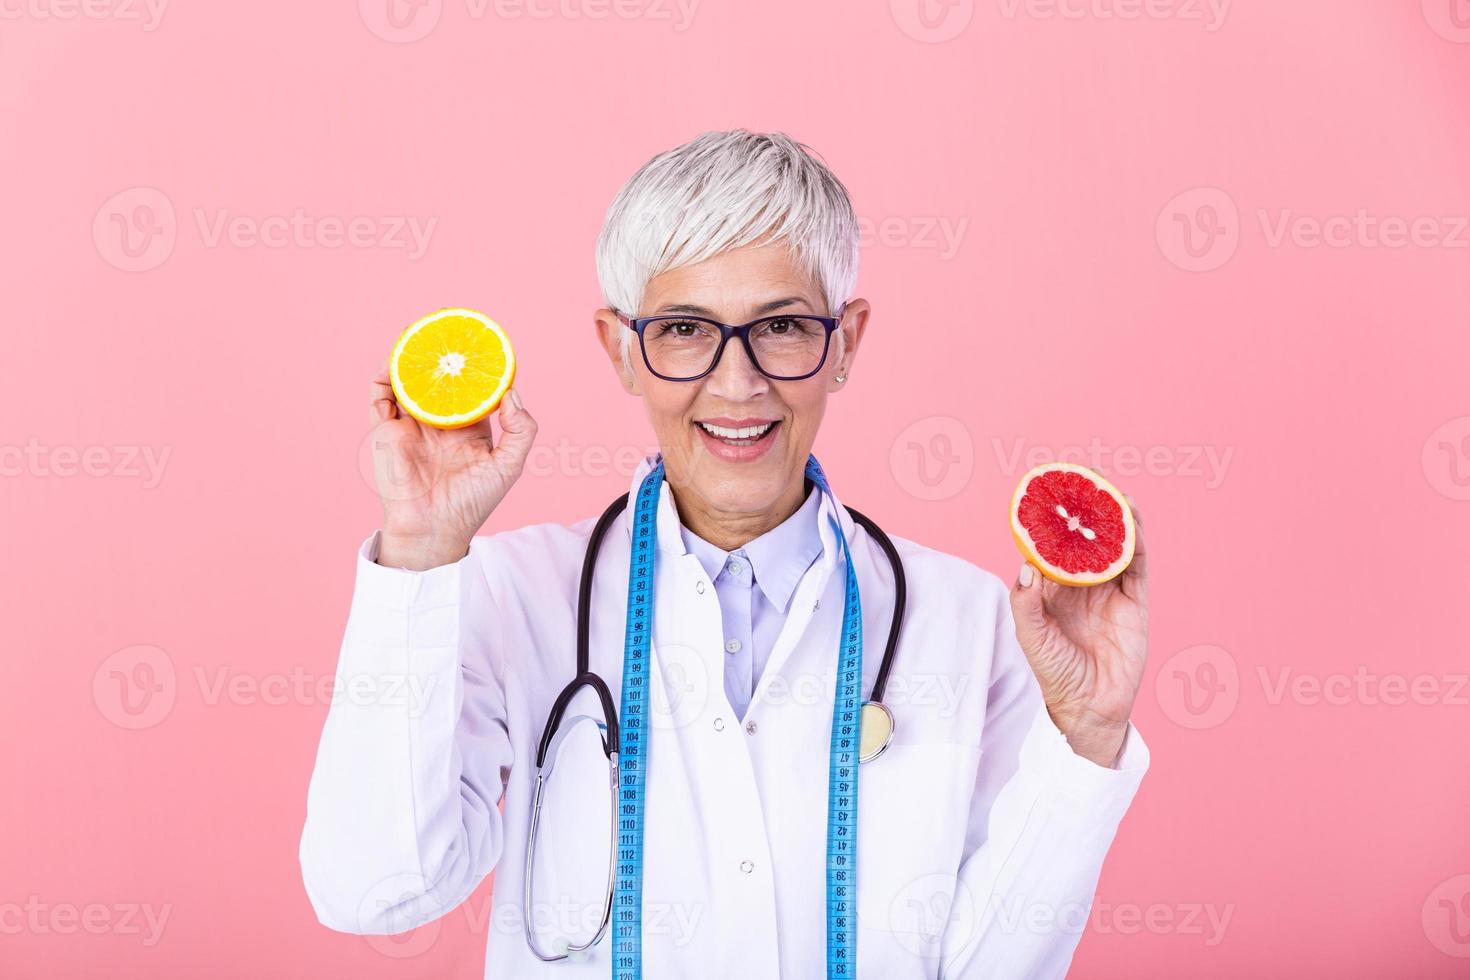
[{"x": 721, "y": 449}]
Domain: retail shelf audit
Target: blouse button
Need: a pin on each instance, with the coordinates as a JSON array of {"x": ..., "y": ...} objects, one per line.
[{"x": 732, "y": 645}]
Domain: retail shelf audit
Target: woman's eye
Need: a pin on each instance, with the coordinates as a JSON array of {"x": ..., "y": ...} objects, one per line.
[
  {"x": 792, "y": 325},
  {"x": 679, "y": 328}
]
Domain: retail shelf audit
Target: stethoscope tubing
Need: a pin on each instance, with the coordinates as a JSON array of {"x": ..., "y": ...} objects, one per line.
[
  {"x": 584, "y": 620},
  {"x": 586, "y": 677}
]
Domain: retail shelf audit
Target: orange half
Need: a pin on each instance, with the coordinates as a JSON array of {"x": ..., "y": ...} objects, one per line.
[{"x": 452, "y": 368}]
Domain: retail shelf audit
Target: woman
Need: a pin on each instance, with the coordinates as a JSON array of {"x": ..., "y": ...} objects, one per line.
[{"x": 981, "y": 829}]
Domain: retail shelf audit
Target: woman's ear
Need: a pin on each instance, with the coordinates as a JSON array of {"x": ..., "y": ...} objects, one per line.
[
  {"x": 610, "y": 333},
  {"x": 850, "y": 335}
]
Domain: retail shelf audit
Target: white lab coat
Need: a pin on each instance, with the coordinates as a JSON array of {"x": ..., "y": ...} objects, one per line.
[{"x": 981, "y": 834}]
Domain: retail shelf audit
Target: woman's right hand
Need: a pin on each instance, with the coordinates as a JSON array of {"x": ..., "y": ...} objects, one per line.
[{"x": 438, "y": 486}]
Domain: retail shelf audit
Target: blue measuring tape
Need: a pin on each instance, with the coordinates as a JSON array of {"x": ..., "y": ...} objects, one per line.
[
  {"x": 842, "y": 781},
  {"x": 627, "y": 911}
]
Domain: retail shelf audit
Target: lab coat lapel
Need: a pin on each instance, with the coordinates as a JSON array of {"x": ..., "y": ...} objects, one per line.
[
  {"x": 817, "y": 604},
  {"x": 685, "y": 669}
]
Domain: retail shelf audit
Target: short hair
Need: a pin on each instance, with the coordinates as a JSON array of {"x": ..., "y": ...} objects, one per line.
[{"x": 721, "y": 191}]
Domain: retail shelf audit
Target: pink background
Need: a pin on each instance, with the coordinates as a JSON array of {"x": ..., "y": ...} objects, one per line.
[{"x": 1315, "y": 829}]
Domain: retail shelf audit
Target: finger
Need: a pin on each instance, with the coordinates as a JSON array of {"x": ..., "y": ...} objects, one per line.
[
  {"x": 517, "y": 432},
  {"x": 1133, "y": 509},
  {"x": 384, "y": 405},
  {"x": 1139, "y": 550},
  {"x": 1136, "y": 574},
  {"x": 1027, "y": 607}
]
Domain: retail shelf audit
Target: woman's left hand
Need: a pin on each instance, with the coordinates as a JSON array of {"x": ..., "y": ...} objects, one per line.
[{"x": 1087, "y": 646}]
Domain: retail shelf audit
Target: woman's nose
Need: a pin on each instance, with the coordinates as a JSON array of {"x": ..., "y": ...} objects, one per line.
[{"x": 736, "y": 376}]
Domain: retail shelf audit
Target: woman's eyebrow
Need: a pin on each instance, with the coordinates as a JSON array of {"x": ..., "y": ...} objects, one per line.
[{"x": 761, "y": 310}]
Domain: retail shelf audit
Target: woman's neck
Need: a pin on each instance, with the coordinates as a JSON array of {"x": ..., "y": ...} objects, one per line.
[{"x": 728, "y": 530}]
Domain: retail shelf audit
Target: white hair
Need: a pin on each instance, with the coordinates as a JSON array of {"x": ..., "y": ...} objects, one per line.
[{"x": 721, "y": 191}]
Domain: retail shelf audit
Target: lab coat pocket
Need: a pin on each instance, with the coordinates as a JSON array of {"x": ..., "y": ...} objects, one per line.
[
  {"x": 574, "y": 836},
  {"x": 911, "y": 844}
]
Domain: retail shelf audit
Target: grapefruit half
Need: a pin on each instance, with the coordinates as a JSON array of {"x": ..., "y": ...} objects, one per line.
[{"x": 1073, "y": 525}]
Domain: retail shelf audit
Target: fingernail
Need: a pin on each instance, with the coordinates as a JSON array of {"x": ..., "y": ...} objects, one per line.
[
  {"x": 1026, "y": 575},
  {"x": 515, "y": 399}
]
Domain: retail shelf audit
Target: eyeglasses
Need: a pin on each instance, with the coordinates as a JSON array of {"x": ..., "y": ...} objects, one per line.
[{"x": 784, "y": 347}]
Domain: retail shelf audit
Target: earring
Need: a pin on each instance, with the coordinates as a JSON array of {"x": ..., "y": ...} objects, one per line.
[{"x": 841, "y": 378}]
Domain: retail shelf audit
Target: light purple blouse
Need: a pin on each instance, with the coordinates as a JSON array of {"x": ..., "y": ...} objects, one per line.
[{"x": 752, "y": 617}]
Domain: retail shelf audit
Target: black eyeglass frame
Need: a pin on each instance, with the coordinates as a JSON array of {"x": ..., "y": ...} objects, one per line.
[{"x": 728, "y": 330}]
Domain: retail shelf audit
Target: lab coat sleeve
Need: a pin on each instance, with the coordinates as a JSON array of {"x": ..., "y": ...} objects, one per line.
[
  {"x": 401, "y": 815},
  {"x": 1041, "y": 821}
]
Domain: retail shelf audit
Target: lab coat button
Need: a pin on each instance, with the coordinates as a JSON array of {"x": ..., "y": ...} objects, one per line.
[
  {"x": 699, "y": 586},
  {"x": 750, "y": 728},
  {"x": 719, "y": 724},
  {"x": 747, "y": 866}
]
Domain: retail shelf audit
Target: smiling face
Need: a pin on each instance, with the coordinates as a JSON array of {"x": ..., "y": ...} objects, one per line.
[{"x": 729, "y": 491}]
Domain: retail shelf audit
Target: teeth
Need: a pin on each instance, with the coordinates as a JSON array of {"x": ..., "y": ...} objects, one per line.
[{"x": 746, "y": 432}]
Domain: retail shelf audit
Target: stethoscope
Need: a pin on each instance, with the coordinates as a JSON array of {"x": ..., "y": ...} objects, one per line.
[{"x": 876, "y": 725}]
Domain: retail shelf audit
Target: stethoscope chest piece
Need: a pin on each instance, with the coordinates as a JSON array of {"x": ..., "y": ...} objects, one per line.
[{"x": 877, "y": 730}]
